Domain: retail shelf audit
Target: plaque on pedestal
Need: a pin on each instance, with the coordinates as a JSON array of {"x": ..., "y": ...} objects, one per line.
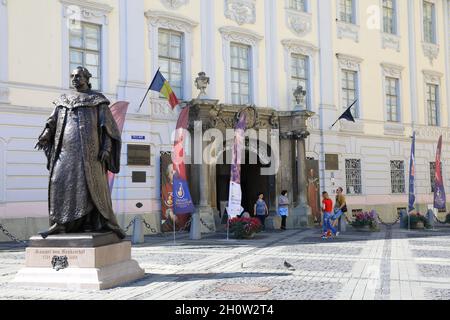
[{"x": 88, "y": 261}]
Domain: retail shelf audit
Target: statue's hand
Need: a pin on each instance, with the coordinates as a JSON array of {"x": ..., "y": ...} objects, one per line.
[
  {"x": 44, "y": 139},
  {"x": 104, "y": 155}
]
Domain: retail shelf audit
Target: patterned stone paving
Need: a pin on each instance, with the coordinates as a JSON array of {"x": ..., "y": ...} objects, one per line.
[{"x": 396, "y": 264}]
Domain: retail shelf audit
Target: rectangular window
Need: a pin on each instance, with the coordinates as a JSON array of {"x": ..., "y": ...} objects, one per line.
[
  {"x": 240, "y": 73},
  {"x": 347, "y": 11},
  {"x": 398, "y": 176},
  {"x": 85, "y": 51},
  {"x": 350, "y": 91},
  {"x": 433, "y": 104},
  {"x": 300, "y": 73},
  {"x": 392, "y": 99},
  {"x": 389, "y": 21},
  {"x": 353, "y": 176},
  {"x": 170, "y": 55},
  {"x": 429, "y": 23},
  {"x": 299, "y": 5}
]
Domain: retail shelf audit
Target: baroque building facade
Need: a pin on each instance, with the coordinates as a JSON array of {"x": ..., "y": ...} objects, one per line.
[{"x": 390, "y": 55}]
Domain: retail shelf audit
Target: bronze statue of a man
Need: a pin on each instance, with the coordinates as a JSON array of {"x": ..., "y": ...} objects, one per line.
[{"x": 82, "y": 143}]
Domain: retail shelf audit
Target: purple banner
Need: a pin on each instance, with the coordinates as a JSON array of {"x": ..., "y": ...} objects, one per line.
[{"x": 439, "y": 191}]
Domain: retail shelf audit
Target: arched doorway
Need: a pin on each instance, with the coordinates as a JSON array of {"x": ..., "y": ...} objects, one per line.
[{"x": 252, "y": 182}]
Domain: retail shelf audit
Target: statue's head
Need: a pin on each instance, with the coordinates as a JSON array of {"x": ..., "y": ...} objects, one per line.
[{"x": 80, "y": 79}]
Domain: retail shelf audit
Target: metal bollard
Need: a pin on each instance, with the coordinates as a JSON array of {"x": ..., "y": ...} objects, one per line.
[
  {"x": 430, "y": 218},
  {"x": 138, "y": 231},
  {"x": 403, "y": 225},
  {"x": 195, "y": 232}
]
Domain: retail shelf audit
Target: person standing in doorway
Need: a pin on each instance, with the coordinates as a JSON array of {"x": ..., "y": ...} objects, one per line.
[
  {"x": 283, "y": 208},
  {"x": 260, "y": 209},
  {"x": 340, "y": 207},
  {"x": 327, "y": 208}
]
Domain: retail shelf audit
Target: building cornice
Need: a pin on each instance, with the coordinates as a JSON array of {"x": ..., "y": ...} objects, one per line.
[{"x": 299, "y": 46}]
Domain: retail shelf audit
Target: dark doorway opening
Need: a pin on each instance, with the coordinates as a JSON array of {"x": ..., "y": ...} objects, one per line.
[{"x": 252, "y": 182}]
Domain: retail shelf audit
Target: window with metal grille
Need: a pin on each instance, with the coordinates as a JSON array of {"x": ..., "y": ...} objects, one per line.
[
  {"x": 389, "y": 21},
  {"x": 350, "y": 91},
  {"x": 300, "y": 74},
  {"x": 398, "y": 176},
  {"x": 392, "y": 99},
  {"x": 353, "y": 176},
  {"x": 299, "y": 5},
  {"x": 240, "y": 73},
  {"x": 170, "y": 55},
  {"x": 433, "y": 104},
  {"x": 85, "y": 50},
  {"x": 429, "y": 22},
  {"x": 347, "y": 11}
]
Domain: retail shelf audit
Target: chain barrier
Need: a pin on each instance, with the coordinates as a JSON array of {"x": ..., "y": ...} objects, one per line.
[
  {"x": 10, "y": 236},
  {"x": 207, "y": 226},
  {"x": 129, "y": 225},
  {"x": 389, "y": 224},
  {"x": 439, "y": 221},
  {"x": 148, "y": 226},
  {"x": 186, "y": 225}
]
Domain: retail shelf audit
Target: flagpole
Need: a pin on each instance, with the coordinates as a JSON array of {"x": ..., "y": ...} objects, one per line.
[
  {"x": 174, "y": 230},
  {"x": 228, "y": 227},
  {"x": 148, "y": 90}
]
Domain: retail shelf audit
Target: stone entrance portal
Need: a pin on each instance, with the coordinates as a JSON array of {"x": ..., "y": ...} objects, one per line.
[{"x": 209, "y": 182}]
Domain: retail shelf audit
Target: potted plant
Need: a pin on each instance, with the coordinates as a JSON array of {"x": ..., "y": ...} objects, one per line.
[
  {"x": 416, "y": 220},
  {"x": 245, "y": 228},
  {"x": 365, "y": 220}
]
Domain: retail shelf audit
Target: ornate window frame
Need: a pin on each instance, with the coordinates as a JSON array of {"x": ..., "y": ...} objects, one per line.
[
  {"x": 434, "y": 78},
  {"x": 393, "y": 71},
  {"x": 430, "y": 50},
  {"x": 90, "y": 12},
  {"x": 352, "y": 63},
  {"x": 345, "y": 29},
  {"x": 164, "y": 20},
  {"x": 250, "y": 38},
  {"x": 391, "y": 40},
  {"x": 240, "y": 11},
  {"x": 294, "y": 46},
  {"x": 4, "y": 66},
  {"x": 299, "y": 22},
  {"x": 174, "y": 4}
]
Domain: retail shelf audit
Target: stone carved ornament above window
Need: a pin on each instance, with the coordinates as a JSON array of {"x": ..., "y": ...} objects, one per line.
[
  {"x": 241, "y": 11},
  {"x": 299, "y": 22},
  {"x": 299, "y": 47},
  {"x": 88, "y": 11},
  {"x": 240, "y": 35},
  {"x": 392, "y": 70},
  {"x": 170, "y": 21},
  {"x": 432, "y": 77},
  {"x": 174, "y": 4},
  {"x": 349, "y": 62}
]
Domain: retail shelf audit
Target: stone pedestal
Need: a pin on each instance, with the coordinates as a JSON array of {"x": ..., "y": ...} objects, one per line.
[
  {"x": 207, "y": 216},
  {"x": 299, "y": 216},
  {"x": 78, "y": 261}
]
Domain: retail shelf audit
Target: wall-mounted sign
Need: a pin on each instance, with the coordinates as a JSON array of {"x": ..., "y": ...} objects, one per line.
[
  {"x": 139, "y": 177},
  {"x": 138, "y": 137},
  {"x": 138, "y": 155},
  {"x": 332, "y": 162}
]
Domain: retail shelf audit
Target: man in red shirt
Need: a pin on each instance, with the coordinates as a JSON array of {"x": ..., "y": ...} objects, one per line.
[{"x": 327, "y": 209}]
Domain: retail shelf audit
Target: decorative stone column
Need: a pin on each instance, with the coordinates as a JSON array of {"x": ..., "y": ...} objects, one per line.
[
  {"x": 203, "y": 219},
  {"x": 293, "y": 127}
]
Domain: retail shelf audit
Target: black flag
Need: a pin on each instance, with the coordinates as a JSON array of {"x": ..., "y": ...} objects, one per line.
[{"x": 347, "y": 115}]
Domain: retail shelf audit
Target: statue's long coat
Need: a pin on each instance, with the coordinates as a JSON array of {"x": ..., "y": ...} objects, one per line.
[{"x": 81, "y": 126}]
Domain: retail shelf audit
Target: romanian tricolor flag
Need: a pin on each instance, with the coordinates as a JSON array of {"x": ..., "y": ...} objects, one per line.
[{"x": 160, "y": 84}]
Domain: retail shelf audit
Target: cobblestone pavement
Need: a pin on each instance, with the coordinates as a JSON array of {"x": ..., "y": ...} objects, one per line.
[{"x": 391, "y": 264}]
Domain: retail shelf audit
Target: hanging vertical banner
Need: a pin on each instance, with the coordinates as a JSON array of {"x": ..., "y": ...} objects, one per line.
[
  {"x": 119, "y": 112},
  {"x": 439, "y": 191},
  {"x": 166, "y": 174},
  {"x": 182, "y": 198},
  {"x": 235, "y": 194},
  {"x": 412, "y": 173}
]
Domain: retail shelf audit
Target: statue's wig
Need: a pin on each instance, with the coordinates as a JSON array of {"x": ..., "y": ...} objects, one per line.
[{"x": 86, "y": 74}]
